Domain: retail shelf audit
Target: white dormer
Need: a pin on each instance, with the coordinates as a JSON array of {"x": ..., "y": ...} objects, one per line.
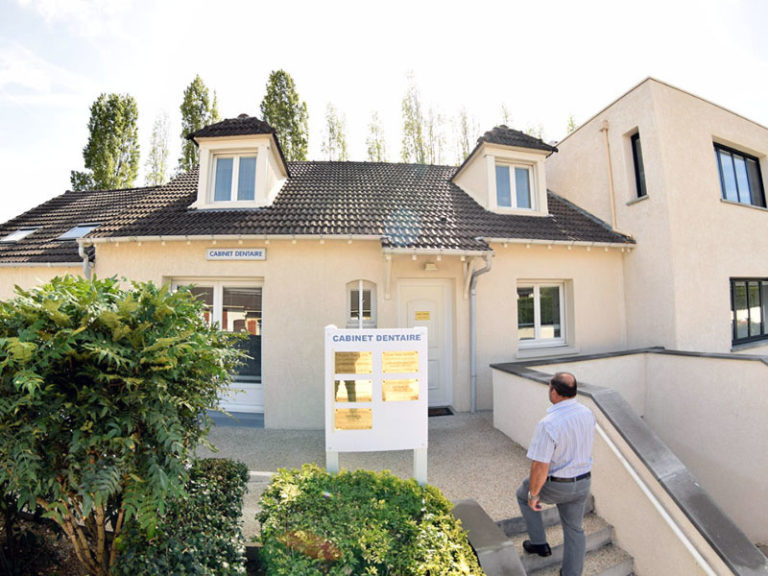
[
  {"x": 241, "y": 165},
  {"x": 505, "y": 173}
]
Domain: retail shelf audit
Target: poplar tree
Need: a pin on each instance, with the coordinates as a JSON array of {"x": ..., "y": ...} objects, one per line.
[
  {"x": 157, "y": 162},
  {"x": 413, "y": 149},
  {"x": 377, "y": 149},
  {"x": 466, "y": 130},
  {"x": 111, "y": 156},
  {"x": 197, "y": 110},
  {"x": 335, "y": 141},
  {"x": 282, "y": 109},
  {"x": 434, "y": 138}
]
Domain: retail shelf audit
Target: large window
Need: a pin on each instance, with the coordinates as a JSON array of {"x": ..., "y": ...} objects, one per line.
[
  {"x": 236, "y": 308},
  {"x": 540, "y": 314},
  {"x": 234, "y": 178},
  {"x": 514, "y": 186},
  {"x": 749, "y": 309},
  {"x": 740, "y": 178},
  {"x": 637, "y": 157},
  {"x": 361, "y": 304}
]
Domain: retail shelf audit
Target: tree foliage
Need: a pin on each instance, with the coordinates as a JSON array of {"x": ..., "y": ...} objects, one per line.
[
  {"x": 111, "y": 156},
  {"x": 375, "y": 143},
  {"x": 104, "y": 397},
  {"x": 197, "y": 110},
  {"x": 335, "y": 141},
  {"x": 282, "y": 109},
  {"x": 157, "y": 162},
  {"x": 466, "y": 131},
  {"x": 413, "y": 147}
]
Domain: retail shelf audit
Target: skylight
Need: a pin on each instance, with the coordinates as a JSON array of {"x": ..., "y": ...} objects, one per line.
[
  {"x": 18, "y": 235},
  {"x": 78, "y": 231}
]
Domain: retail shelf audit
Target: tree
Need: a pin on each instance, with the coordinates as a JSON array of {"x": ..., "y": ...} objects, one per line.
[
  {"x": 413, "y": 148},
  {"x": 105, "y": 393},
  {"x": 466, "y": 130},
  {"x": 434, "y": 138},
  {"x": 157, "y": 162},
  {"x": 377, "y": 148},
  {"x": 335, "y": 142},
  {"x": 111, "y": 155},
  {"x": 282, "y": 109},
  {"x": 571, "y": 125},
  {"x": 506, "y": 117},
  {"x": 197, "y": 110}
]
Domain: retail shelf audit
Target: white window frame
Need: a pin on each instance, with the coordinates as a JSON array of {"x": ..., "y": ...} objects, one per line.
[
  {"x": 361, "y": 286},
  {"x": 538, "y": 341},
  {"x": 532, "y": 190},
  {"x": 235, "y": 156}
]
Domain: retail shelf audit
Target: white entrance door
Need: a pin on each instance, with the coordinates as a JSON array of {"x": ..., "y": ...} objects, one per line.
[{"x": 428, "y": 303}]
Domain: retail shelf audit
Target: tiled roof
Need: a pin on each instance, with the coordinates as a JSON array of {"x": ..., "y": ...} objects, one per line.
[
  {"x": 242, "y": 125},
  {"x": 411, "y": 206},
  {"x": 511, "y": 137},
  {"x": 57, "y": 216}
]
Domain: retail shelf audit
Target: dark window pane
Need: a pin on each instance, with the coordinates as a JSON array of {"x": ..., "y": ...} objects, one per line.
[
  {"x": 742, "y": 180},
  {"x": 523, "y": 187},
  {"x": 728, "y": 176},
  {"x": 246, "y": 178},
  {"x": 354, "y": 304},
  {"x": 550, "y": 311},
  {"x": 741, "y": 312},
  {"x": 526, "y": 329},
  {"x": 223, "y": 187},
  {"x": 503, "y": 190},
  {"x": 637, "y": 155},
  {"x": 755, "y": 183},
  {"x": 755, "y": 311},
  {"x": 205, "y": 294}
]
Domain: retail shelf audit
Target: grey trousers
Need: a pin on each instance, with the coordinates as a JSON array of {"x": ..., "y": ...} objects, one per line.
[{"x": 570, "y": 498}]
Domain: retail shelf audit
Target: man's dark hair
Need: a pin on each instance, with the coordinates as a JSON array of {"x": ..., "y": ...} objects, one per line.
[{"x": 564, "y": 384}]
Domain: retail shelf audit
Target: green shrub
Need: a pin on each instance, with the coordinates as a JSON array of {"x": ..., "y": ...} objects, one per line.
[
  {"x": 199, "y": 533},
  {"x": 359, "y": 523}
]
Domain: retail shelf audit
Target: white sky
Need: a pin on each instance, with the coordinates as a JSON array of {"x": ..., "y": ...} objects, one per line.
[{"x": 544, "y": 60}]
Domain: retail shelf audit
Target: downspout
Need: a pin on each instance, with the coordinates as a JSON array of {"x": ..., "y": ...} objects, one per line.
[
  {"x": 473, "y": 332},
  {"x": 604, "y": 130},
  {"x": 86, "y": 261}
]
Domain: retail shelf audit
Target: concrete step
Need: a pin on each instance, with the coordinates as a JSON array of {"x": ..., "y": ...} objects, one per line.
[
  {"x": 609, "y": 560},
  {"x": 495, "y": 551}
]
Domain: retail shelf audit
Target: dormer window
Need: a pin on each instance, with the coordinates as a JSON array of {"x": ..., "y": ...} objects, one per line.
[
  {"x": 514, "y": 186},
  {"x": 234, "y": 178}
]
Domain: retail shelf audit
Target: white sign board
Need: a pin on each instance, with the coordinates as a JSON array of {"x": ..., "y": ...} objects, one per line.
[
  {"x": 236, "y": 254},
  {"x": 376, "y": 393}
]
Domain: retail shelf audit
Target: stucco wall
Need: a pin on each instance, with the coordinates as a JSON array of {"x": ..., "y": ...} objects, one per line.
[
  {"x": 689, "y": 242},
  {"x": 28, "y": 276}
]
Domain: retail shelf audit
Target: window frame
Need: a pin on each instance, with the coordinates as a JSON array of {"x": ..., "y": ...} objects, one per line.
[
  {"x": 721, "y": 149},
  {"x": 361, "y": 286},
  {"x": 78, "y": 231},
  {"x": 538, "y": 341},
  {"x": 641, "y": 186},
  {"x": 234, "y": 190},
  {"x": 17, "y": 235},
  {"x": 762, "y": 306},
  {"x": 511, "y": 167}
]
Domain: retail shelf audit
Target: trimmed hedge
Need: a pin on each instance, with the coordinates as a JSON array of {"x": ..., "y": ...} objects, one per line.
[
  {"x": 199, "y": 533},
  {"x": 361, "y": 523}
]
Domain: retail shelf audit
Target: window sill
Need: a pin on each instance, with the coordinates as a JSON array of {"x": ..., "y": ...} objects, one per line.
[
  {"x": 546, "y": 352},
  {"x": 637, "y": 200},
  {"x": 749, "y": 345},
  {"x": 753, "y": 206}
]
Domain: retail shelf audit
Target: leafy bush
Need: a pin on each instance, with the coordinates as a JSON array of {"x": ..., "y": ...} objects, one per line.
[
  {"x": 104, "y": 396},
  {"x": 199, "y": 533},
  {"x": 359, "y": 523}
]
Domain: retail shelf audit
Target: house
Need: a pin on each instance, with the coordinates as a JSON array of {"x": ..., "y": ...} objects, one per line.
[{"x": 494, "y": 264}]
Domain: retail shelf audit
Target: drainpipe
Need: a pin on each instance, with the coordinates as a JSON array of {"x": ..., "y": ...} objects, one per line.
[
  {"x": 604, "y": 130},
  {"x": 86, "y": 261},
  {"x": 473, "y": 332}
]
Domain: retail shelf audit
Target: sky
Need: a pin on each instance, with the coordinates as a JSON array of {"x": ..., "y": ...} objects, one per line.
[{"x": 542, "y": 61}]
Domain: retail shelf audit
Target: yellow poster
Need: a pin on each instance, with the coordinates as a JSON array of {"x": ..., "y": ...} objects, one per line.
[
  {"x": 400, "y": 390},
  {"x": 353, "y": 390},
  {"x": 354, "y": 362},
  {"x": 398, "y": 362},
  {"x": 354, "y": 419},
  {"x": 422, "y": 315}
]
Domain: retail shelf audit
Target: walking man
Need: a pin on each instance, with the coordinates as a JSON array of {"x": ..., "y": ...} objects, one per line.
[{"x": 561, "y": 464}]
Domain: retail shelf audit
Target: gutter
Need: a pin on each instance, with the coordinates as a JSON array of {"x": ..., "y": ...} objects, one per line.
[{"x": 473, "y": 332}]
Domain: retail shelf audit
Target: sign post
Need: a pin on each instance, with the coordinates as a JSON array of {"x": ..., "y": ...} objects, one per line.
[{"x": 376, "y": 393}]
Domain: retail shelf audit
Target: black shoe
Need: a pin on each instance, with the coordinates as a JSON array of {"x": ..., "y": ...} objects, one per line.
[{"x": 540, "y": 549}]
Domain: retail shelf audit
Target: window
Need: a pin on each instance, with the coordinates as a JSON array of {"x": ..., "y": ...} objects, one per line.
[
  {"x": 637, "y": 156},
  {"x": 740, "y": 178},
  {"x": 514, "y": 186},
  {"x": 234, "y": 178},
  {"x": 236, "y": 309},
  {"x": 540, "y": 313},
  {"x": 77, "y": 232},
  {"x": 18, "y": 235},
  {"x": 749, "y": 309},
  {"x": 361, "y": 304}
]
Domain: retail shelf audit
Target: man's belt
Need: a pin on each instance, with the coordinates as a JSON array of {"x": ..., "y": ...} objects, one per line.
[{"x": 574, "y": 479}]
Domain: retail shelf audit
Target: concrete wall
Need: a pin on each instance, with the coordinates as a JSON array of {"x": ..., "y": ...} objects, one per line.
[{"x": 689, "y": 241}]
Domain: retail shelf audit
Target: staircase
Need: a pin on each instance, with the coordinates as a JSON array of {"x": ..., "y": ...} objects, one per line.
[{"x": 499, "y": 545}]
